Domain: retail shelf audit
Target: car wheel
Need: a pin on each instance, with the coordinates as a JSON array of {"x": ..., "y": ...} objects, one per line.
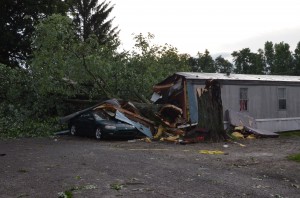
[
  {"x": 73, "y": 130},
  {"x": 98, "y": 134}
]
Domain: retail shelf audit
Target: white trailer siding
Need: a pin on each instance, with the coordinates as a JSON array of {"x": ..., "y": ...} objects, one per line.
[{"x": 262, "y": 98}]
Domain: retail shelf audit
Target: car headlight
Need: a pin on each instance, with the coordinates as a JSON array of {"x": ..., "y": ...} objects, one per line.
[{"x": 110, "y": 127}]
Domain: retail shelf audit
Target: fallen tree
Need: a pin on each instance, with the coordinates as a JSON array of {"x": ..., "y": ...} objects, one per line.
[{"x": 210, "y": 111}]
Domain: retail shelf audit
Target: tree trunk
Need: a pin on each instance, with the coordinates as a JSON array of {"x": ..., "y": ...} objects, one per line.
[{"x": 210, "y": 111}]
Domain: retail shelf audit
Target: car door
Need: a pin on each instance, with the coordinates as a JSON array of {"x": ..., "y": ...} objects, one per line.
[
  {"x": 79, "y": 123},
  {"x": 87, "y": 124}
]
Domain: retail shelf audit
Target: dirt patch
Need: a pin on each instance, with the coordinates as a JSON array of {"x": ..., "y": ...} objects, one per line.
[{"x": 48, "y": 167}]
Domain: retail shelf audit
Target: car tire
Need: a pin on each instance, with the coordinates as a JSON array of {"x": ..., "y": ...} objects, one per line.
[
  {"x": 73, "y": 130},
  {"x": 98, "y": 134}
]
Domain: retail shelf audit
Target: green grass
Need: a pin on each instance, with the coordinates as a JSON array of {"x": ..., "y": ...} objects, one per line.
[
  {"x": 116, "y": 186},
  {"x": 290, "y": 134},
  {"x": 66, "y": 194},
  {"x": 294, "y": 157},
  {"x": 69, "y": 193}
]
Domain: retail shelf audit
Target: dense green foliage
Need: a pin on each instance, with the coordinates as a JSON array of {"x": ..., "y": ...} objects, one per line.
[
  {"x": 222, "y": 65},
  {"x": 274, "y": 59},
  {"x": 247, "y": 62},
  {"x": 297, "y": 60},
  {"x": 148, "y": 64},
  {"x": 22, "y": 112},
  {"x": 48, "y": 59},
  {"x": 65, "y": 65}
]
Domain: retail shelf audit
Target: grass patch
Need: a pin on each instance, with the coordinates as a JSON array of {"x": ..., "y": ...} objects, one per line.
[
  {"x": 294, "y": 157},
  {"x": 69, "y": 193},
  {"x": 66, "y": 194},
  {"x": 290, "y": 134},
  {"x": 116, "y": 186}
]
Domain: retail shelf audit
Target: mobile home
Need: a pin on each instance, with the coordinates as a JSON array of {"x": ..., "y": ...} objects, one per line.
[{"x": 273, "y": 100}]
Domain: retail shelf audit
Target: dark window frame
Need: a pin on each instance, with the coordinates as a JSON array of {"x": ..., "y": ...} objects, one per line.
[
  {"x": 244, "y": 100},
  {"x": 282, "y": 99}
]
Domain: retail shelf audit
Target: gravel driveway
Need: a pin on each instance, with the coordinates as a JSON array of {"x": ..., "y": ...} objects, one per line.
[{"x": 49, "y": 167}]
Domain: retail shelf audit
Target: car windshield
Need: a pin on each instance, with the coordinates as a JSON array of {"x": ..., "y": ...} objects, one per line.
[{"x": 100, "y": 116}]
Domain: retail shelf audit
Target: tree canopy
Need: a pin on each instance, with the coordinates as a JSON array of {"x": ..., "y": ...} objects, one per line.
[
  {"x": 283, "y": 60},
  {"x": 67, "y": 65},
  {"x": 297, "y": 60}
]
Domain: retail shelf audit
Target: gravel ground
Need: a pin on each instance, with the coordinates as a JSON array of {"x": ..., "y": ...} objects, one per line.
[{"x": 47, "y": 167}]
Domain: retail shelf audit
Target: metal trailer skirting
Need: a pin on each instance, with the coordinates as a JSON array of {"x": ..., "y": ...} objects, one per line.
[{"x": 279, "y": 124}]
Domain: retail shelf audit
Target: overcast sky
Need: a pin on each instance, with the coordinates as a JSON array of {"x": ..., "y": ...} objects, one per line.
[{"x": 221, "y": 26}]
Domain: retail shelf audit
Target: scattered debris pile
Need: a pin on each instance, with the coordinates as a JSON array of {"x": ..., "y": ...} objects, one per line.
[
  {"x": 155, "y": 121},
  {"x": 169, "y": 120}
]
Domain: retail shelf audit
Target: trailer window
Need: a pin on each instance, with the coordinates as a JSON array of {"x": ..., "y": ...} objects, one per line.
[
  {"x": 243, "y": 99},
  {"x": 281, "y": 98}
]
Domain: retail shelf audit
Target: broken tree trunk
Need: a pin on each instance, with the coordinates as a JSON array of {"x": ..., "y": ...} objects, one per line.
[{"x": 210, "y": 111}]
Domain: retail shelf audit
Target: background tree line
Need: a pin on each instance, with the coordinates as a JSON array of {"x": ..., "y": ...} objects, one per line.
[
  {"x": 275, "y": 59},
  {"x": 53, "y": 52}
]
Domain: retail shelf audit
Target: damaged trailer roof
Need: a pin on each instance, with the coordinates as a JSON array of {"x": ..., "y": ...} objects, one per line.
[
  {"x": 143, "y": 129},
  {"x": 248, "y": 77},
  {"x": 69, "y": 117}
]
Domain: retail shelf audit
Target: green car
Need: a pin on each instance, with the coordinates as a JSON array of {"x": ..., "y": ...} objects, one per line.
[{"x": 99, "y": 125}]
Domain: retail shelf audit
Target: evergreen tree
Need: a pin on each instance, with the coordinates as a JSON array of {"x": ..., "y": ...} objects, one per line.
[{"x": 92, "y": 18}]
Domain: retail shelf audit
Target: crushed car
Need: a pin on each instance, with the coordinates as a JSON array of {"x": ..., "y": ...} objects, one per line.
[
  {"x": 98, "y": 124},
  {"x": 111, "y": 118}
]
